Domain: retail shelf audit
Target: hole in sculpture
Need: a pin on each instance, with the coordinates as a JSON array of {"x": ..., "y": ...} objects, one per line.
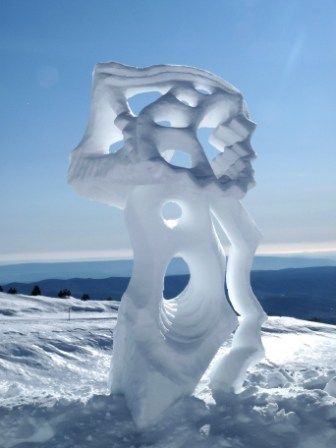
[
  {"x": 171, "y": 213},
  {"x": 176, "y": 278},
  {"x": 163, "y": 123},
  {"x": 116, "y": 146},
  {"x": 138, "y": 102},
  {"x": 204, "y": 90},
  {"x": 203, "y": 135},
  {"x": 187, "y": 99},
  {"x": 177, "y": 157}
]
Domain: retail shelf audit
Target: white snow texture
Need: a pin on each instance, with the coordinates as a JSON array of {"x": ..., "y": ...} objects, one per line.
[
  {"x": 54, "y": 395},
  {"x": 162, "y": 348}
]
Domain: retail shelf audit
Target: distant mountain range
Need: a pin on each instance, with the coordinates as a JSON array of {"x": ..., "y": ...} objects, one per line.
[
  {"x": 32, "y": 272},
  {"x": 306, "y": 293}
]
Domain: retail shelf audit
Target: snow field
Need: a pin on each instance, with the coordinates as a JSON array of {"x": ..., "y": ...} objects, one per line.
[{"x": 53, "y": 386}]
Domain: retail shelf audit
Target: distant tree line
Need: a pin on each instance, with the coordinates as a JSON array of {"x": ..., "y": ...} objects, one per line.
[
  {"x": 36, "y": 291},
  {"x": 10, "y": 290},
  {"x": 64, "y": 293}
]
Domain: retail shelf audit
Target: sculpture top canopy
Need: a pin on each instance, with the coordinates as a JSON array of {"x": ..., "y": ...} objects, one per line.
[{"x": 190, "y": 99}]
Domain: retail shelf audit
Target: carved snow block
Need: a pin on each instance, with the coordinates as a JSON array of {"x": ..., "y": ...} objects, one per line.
[{"x": 162, "y": 347}]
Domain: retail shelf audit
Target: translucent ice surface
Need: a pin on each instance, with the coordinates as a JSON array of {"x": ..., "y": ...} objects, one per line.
[{"x": 143, "y": 161}]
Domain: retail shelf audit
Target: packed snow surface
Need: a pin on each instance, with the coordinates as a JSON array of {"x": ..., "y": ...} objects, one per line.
[{"x": 53, "y": 386}]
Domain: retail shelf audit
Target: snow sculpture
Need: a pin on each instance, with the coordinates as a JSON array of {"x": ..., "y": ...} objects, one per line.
[{"x": 161, "y": 347}]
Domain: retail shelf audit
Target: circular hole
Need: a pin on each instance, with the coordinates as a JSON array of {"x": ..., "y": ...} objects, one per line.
[
  {"x": 171, "y": 213},
  {"x": 171, "y": 210},
  {"x": 176, "y": 278}
]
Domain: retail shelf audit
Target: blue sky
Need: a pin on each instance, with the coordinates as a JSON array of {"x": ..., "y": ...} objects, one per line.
[{"x": 280, "y": 54}]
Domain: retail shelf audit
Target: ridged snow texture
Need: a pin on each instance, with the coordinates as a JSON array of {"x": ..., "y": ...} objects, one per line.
[{"x": 161, "y": 347}]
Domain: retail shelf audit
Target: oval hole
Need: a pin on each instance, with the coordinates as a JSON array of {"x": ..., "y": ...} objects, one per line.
[
  {"x": 176, "y": 278},
  {"x": 177, "y": 157},
  {"x": 187, "y": 99},
  {"x": 203, "y": 135},
  {"x": 171, "y": 213},
  {"x": 116, "y": 146},
  {"x": 138, "y": 102},
  {"x": 163, "y": 123},
  {"x": 203, "y": 90}
]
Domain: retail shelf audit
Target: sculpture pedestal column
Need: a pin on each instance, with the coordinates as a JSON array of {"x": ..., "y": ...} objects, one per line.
[{"x": 163, "y": 347}]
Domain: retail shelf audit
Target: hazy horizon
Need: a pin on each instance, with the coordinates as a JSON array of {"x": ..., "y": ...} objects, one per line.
[{"x": 317, "y": 252}]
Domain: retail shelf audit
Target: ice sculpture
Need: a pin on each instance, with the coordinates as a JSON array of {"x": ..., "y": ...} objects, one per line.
[{"x": 161, "y": 347}]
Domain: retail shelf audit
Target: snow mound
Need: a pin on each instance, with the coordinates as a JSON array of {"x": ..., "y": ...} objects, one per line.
[
  {"x": 53, "y": 388},
  {"x": 39, "y": 306}
]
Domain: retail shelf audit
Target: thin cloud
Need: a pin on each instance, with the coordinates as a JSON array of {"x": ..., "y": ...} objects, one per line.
[{"x": 294, "y": 54}]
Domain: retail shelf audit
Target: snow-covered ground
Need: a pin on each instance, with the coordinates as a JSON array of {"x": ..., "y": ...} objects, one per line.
[{"x": 53, "y": 392}]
